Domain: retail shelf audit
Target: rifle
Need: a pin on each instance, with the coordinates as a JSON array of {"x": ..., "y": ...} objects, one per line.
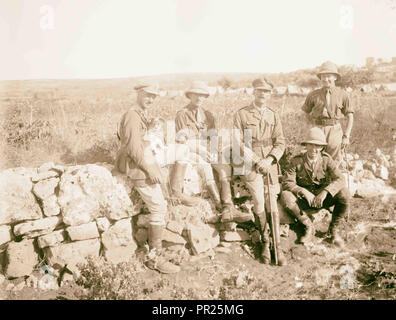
[{"x": 274, "y": 218}]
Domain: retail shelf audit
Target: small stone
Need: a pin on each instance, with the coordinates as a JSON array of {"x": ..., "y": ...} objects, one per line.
[
  {"x": 238, "y": 235},
  {"x": 51, "y": 239},
  {"x": 45, "y": 188},
  {"x": 172, "y": 237},
  {"x": 51, "y": 206},
  {"x": 44, "y": 176},
  {"x": 202, "y": 238},
  {"x": 141, "y": 236},
  {"x": 5, "y": 234},
  {"x": 37, "y": 227},
  {"x": 83, "y": 231},
  {"x": 103, "y": 224}
]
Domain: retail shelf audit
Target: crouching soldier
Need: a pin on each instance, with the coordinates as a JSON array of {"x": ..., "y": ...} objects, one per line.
[
  {"x": 136, "y": 160},
  {"x": 265, "y": 148},
  {"x": 314, "y": 181}
]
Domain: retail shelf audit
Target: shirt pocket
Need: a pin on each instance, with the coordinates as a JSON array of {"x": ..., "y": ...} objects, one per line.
[{"x": 253, "y": 127}]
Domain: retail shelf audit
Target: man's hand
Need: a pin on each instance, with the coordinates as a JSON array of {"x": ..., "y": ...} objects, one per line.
[
  {"x": 345, "y": 142},
  {"x": 307, "y": 195},
  {"x": 318, "y": 201},
  {"x": 156, "y": 177},
  {"x": 264, "y": 165}
]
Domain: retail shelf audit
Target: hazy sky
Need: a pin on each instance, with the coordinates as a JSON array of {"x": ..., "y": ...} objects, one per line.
[{"x": 123, "y": 38}]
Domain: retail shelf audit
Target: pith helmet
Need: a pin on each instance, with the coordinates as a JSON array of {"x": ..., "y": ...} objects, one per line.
[
  {"x": 262, "y": 84},
  {"x": 328, "y": 67},
  {"x": 148, "y": 88},
  {"x": 198, "y": 87},
  {"x": 315, "y": 136}
]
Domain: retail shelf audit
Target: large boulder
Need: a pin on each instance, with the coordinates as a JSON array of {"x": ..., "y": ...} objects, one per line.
[
  {"x": 90, "y": 191},
  {"x": 37, "y": 227},
  {"x": 83, "y": 231},
  {"x": 21, "y": 258},
  {"x": 45, "y": 188},
  {"x": 51, "y": 239},
  {"x": 71, "y": 254},
  {"x": 17, "y": 202}
]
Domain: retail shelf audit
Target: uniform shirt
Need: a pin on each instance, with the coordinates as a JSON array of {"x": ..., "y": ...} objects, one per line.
[
  {"x": 323, "y": 174},
  {"x": 135, "y": 157},
  {"x": 194, "y": 119},
  {"x": 316, "y": 105}
]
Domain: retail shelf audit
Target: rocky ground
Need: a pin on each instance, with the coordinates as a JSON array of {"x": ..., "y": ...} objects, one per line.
[{"x": 364, "y": 269}]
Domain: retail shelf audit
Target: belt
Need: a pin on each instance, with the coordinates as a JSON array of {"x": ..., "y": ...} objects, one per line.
[
  {"x": 326, "y": 122},
  {"x": 262, "y": 143}
]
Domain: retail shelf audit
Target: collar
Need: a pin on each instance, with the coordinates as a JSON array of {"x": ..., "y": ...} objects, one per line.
[{"x": 261, "y": 109}]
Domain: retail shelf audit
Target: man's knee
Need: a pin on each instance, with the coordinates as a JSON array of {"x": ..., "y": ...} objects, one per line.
[
  {"x": 288, "y": 199},
  {"x": 343, "y": 196}
]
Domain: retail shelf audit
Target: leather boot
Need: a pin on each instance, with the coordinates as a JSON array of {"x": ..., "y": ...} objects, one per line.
[
  {"x": 155, "y": 260},
  {"x": 229, "y": 213},
  {"x": 309, "y": 228},
  {"x": 214, "y": 193},
  {"x": 177, "y": 184},
  {"x": 265, "y": 255}
]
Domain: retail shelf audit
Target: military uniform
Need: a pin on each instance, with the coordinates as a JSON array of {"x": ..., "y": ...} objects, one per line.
[
  {"x": 136, "y": 160},
  {"x": 315, "y": 176}
]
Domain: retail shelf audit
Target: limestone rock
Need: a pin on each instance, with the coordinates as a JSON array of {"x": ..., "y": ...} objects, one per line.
[
  {"x": 372, "y": 188},
  {"x": 202, "y": 238},
  {"x": 51, "y": 239},
  {"x": 83, "y": 231},
  {"x": 120, "y": 254},
  {"x": 172, "y": 237},
  {"x": 119, "y": 234},
  {"x": 73, "y": 253},
  {"x": 37, "y": 227},
  {"x": 5, "y": 234},
  {"x": 175, "y": 227},
  {"x": 45, "y": 188},
  {"x": 141, "y": 236},
  {"x": 238, "y": 235},
  {"x": 103, "y": 224},
  {"x": 17, "y": 203},
  {"x": 90, "y": 191},
  {"x": 51, "y": 207},
  {"x": 44, "y": 176},
  {"x": 21, "y": 258}
]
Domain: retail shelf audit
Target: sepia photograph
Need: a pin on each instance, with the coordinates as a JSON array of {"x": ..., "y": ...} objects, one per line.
[{"x": 216, "y": 152}]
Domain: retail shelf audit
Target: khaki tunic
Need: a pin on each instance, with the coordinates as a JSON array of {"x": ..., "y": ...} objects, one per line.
[{"x": 266, "y": 137}]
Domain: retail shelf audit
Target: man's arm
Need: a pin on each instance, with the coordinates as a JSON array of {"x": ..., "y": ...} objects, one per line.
[{"x": 335, "y": 175}]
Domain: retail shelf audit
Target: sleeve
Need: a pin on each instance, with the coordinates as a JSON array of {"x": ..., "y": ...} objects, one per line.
[
  {"x": 336, "y": 177},
  {"x": 308, "y": 105},
  {"x": 179, "y": 123},
  {"x": 290, "y": 178},
  {"x": 135, "y": 147},
  {"x": 278, "y": 140},
  {"x": 346, "y": 105}
]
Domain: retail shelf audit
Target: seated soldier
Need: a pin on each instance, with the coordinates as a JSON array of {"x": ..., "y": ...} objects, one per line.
[{"x": 314, "y": 181}]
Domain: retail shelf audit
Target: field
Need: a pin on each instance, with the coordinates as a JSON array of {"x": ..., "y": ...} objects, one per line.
[{"x": 74, "y": 122}]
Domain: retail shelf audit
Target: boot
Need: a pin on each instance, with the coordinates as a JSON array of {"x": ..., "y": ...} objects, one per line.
[
  {"x": 177, "y": 184},
  {"x": 265, "y": 239},
  {"x": 214, "y": 193},
  {"x": 155, "y": 260},
  {"x": 229, "y": 213},
  {"x": 335, "y": 237},
  {"x": 282, "y": 261},
  {"x": 309, "y": 228}
]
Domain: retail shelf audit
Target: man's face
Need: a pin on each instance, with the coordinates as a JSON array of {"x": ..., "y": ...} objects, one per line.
[
  {"x": 313, "y": 150},
  {"x": 328, "y": 80},
  {"x": 145, "y": 99},
  {"x": 261, "y": 96},
  {"x": 197, "y": 99}
]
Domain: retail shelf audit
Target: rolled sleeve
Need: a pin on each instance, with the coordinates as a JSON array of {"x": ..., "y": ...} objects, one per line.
[{"x": 346, "y": 104}]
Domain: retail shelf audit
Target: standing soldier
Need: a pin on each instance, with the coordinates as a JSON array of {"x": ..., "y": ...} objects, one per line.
[
  {"x": 265, "y": 149},
  {"x": 136, "y": 160},
  {"x": 326, "y": 106},
  {"x": 194, "y": 126},
  {"x": 314, "y": 181}
]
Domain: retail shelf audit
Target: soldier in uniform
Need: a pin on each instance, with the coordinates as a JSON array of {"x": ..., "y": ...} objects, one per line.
[
  {"x": 265, "y": 149},
  {"x": 136, "y": 160},
  {"x": 314, "y": 181},
  {"x": 326, "y": 106},
  {"x": 195, "y": 126}
]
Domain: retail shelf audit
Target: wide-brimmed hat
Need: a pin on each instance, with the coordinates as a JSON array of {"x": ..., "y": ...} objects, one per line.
[
  {"x": 315, "y": 136},
  {"x": 328, "y": 67},
  {"x": 262, "y": 84},
  {"x": 198, "y": 87},
  {"x": 147, "y": 88}
]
